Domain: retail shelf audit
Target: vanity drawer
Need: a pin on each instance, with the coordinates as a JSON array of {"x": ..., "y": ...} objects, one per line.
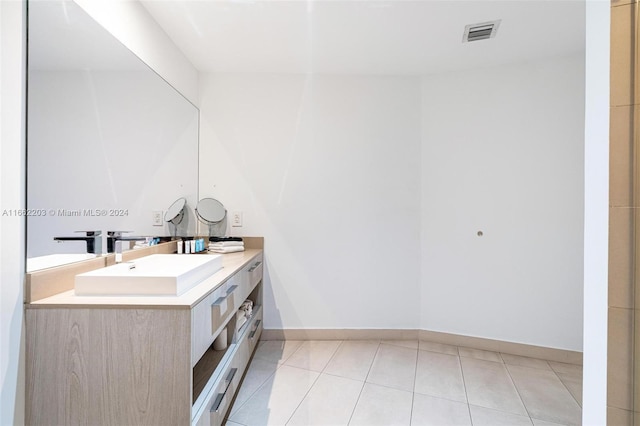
[
  {"x": 254, "y": 272},
  {"x": 224, "y": 306},
  {"x": 255, "y": 330},
  {"x": 249, "y": 276},
  {"x": 220, "y": 399},
  {"x": 209, "y": 315}
]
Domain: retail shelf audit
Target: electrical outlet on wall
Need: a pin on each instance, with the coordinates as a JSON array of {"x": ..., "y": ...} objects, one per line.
[
  {"x": 156, "y": 218},
  {"x": 236, "y": 219}
]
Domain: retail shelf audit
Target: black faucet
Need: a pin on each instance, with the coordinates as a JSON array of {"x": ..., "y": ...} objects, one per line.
[
  {"x": 114, "y": 243},
  {"x": 114, "y": 236},
  {"x": 92, "y": 238}
]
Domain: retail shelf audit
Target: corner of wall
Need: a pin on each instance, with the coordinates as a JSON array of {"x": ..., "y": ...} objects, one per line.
[
  {"x": 596, "y": 212},
  {"x": 12, "y": 198}
]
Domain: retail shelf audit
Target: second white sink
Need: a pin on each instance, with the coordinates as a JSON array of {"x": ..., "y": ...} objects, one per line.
[
  {"x": 154, "y": 275},
  {"x": 53, "y": 260}
]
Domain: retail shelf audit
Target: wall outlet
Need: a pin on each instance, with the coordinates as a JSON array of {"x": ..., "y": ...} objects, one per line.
[
  {"x": 156, "y": 218},
  {"x": 236, "y": 219}
]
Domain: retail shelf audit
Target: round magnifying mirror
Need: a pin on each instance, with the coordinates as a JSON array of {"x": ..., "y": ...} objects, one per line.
[
  {"x": 210, "y": 211},
  {"x": 175, "y": 213}
]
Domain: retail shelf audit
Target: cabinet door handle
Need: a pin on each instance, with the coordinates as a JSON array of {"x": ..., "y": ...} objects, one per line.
[
  {"x": 230, "y": 376},
  {"x": 255, "y": 266},
  {"x": 215, "y": 408},
  {"x": 220, "y": 300},
  {"x": 255, "y": 329}
]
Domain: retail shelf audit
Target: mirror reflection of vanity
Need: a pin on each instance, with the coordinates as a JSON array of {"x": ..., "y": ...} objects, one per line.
[{"x": 111, "y": 145}]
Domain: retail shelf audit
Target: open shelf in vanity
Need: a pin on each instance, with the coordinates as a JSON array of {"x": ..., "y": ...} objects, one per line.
[
  {"x": 211, "y": 361},
  {"x": 217, "y": 373},
  {"x": 205, "y": 368},
  {"x": 121, "y": 361}
]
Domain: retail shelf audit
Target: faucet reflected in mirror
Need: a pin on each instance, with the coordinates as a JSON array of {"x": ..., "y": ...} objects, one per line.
[
  {"x": 114, "y": 242},
  {"x": 92, "y": 238},
  {"x": 94, "y": 241}
]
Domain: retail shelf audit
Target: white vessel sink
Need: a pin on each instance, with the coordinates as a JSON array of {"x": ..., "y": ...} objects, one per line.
[{"x": 154, "y": 275}]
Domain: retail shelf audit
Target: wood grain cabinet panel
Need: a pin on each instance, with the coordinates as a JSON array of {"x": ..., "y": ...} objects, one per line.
[{"x": 108, "y": 367}]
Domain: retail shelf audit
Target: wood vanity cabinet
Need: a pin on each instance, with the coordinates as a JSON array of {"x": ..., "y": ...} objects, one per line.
[{"x": 142, "y": 360}]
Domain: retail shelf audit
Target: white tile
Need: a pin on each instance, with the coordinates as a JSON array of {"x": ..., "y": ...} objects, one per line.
[
  {"x": 258, "y": 372},
  {"x": 431, "y": 411},
  {"x": 277, "y": 350},
  {"x": 394, "y": 366},
  {"x": 411, "y": 344},
  {"x": 525, "y": 361},
  {"x": 480, "y": 354},
  {"x": 313, "y": 354},
  {"x": 353, "y": 359},
  {"x": 488, "y": 385},
  {"x": 276, "y": 400},
  {"x": 563, "y": 367},
  {"x": 537, "y": 422},
  {"x": 438, "y": 347},
  {"x": 281, "y": 388},
  {"x": 440, "y": 375},
  {"x": 573, "y": 383},
  {"x": 380, "y": 405},
  {"x": 487, "y": 417},
  {"x": 545, "y": 397},
  {"x": 330, "y": 401}
]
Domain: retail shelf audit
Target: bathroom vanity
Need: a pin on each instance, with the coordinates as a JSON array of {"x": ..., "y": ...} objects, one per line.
[{"x": 143, "y": 360}]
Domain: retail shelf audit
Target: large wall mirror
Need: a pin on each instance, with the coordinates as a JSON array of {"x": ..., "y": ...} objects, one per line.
[{"x": 110, "y": 144}]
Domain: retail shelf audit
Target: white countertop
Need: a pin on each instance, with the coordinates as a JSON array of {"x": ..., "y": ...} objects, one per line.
[{"x": 231, "y": 263}]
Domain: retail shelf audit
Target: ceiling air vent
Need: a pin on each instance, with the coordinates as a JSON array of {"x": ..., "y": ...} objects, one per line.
[{"x": 482, "y": 31}]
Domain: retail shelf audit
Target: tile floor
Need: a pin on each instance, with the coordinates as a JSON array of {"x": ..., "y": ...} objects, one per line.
[{"x": 403, "y": 383}]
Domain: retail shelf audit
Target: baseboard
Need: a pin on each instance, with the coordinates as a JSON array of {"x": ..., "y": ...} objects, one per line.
[
  {"x": 339, "y": 334},
  {"x": 522, "y": 349}
]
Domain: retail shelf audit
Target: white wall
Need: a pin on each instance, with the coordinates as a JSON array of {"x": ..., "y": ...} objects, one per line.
[
  {"x": 12, "y": 194},
  {"x": 407, "y": 171},
  {"x": 596, "y": 206},
  {"x": 130, "y": 23},
  {"x": 503, "y": 153},
  {"x": 133, "y": 144},
  {"x": 327, "y": 169}
]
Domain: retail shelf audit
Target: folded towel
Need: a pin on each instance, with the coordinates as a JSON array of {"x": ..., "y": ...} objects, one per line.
[
  {"x": 226, "y": 249},
  {"x": 226, "y": 244},
  {"x": 240, "y": 322},
  {"x": 219, "y": 239}
]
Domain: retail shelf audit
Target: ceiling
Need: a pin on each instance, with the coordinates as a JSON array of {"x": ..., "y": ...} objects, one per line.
[{"x": 395, "y": 37}]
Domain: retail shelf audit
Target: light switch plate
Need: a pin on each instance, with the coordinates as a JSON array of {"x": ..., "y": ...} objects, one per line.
[
  {"x": 156, "y": 218},
  {"x": 236, "y": 219}
]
